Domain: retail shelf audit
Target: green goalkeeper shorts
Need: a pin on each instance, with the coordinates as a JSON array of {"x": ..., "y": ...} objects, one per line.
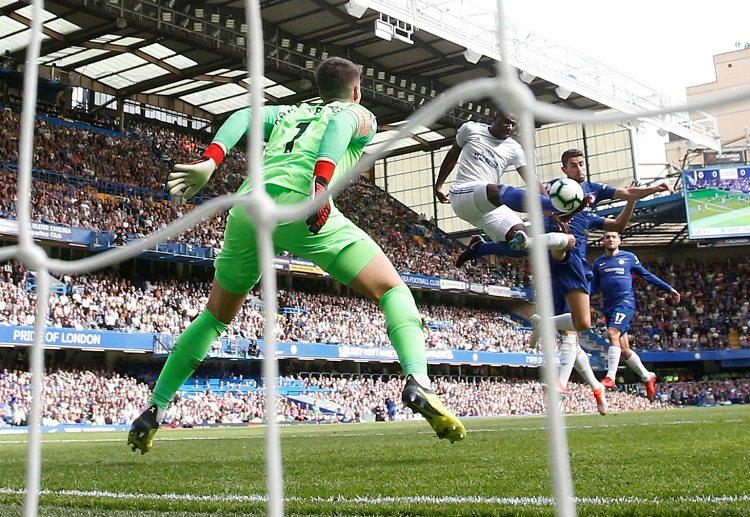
[{"x": 340, "y": 248}]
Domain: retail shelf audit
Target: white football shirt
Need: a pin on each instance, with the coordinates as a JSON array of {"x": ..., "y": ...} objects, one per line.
[{"x": 484, "y": 157}]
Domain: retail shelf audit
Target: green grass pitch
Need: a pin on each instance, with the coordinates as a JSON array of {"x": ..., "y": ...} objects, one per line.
[
  {"x": 674, "y": 463},
  {"x": 717, "y": 214}
]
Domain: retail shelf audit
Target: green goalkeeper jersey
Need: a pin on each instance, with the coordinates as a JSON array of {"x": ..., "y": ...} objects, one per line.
[{"x": 298, "y": 136}]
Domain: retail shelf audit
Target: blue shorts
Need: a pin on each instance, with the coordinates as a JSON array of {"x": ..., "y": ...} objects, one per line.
[
  {"x": 570, "y": 274},
  {"x": 620, "y": 315}
]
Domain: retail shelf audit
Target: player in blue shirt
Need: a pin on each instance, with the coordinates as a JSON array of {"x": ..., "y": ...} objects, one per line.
[
  {"x": 571, "y": 277},
  {"x": 571, "y": 274},
  {"x": 613, "y": 276}
]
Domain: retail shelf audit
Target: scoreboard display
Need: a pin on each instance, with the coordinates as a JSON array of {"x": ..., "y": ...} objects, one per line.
[{"x": 717, "y": 202}]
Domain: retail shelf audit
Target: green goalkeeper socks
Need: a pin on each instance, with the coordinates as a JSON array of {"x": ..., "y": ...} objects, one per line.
[
  {"x": 186, "y": 356},
  {"x": 405, "y": 329}
]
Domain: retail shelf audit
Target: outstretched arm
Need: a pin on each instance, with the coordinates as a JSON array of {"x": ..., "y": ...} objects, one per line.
[
  {"x": 651, "y": 278},
  {"x": 635, "y": 193},
  {"x": 188, "y": 178},
  {"x": 449, "y": 163},
  {"x": 619, "y": 224},
  {"x": 595, "y": 281}
]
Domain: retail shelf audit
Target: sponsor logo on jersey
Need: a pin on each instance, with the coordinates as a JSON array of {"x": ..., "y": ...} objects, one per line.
[{"x": 486, "y": 157}]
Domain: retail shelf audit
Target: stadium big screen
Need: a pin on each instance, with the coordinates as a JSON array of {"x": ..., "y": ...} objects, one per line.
[{"x": 717, "y": 202}]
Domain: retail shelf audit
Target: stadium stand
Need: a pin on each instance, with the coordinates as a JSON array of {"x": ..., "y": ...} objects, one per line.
[
  {"x": 108, "y": 302},
  {"x": 700, "y": 321},
  {"x": 102, "y": 397},
  {"x": 86, "y": 179}
]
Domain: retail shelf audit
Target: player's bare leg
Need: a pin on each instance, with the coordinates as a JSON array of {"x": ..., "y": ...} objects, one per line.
[{"x": 379, "y": 281}]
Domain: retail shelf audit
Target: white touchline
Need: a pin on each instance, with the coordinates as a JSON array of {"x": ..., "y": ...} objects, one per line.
[{"x": 512, "y": 501}]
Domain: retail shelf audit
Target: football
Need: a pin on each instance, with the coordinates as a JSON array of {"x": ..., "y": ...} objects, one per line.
[{"x": 566, "y": 194}]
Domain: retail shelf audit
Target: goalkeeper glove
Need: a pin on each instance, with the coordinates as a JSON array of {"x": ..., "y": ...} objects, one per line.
[
  {"x": 322, "y": 176},
  {"x": 188, "y": 178}
]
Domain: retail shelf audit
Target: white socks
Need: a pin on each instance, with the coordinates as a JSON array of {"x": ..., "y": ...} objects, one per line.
[
  {"x": 637, "y": 366},
  {"x": 553, "y": 241},
  {"x": 159, "y": 411},
  {"x": 613, "y": 361},
  {"x": 423, "y": 381},
  {"x": 564, "y": 322},
  {"x": 567, "y": 357},
  {"x": 584, "y": 368}
]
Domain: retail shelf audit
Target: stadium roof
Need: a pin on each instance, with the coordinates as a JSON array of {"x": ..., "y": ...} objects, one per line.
[
  {"x": 190, "y": 57},
  {"x": 660, "y": 222}
]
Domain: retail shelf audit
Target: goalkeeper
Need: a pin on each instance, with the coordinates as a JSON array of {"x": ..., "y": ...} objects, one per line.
[{"x": 309, "y": 147}]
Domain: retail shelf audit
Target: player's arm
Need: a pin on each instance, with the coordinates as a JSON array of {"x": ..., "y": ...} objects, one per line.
[
  {"x": 651, "y": 278},
  {"x": 188, "y": 178},
  {"x": 595, "y": 280},
  {"x": 446, "y": 167},
  {"x": 353, "y": 125},
  {"x": 635, "y": 192},
  {"x": 618, "y": 224}
]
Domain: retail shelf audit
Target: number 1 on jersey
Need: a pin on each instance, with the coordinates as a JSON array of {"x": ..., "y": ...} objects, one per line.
[{"x": 301, "y": 129}]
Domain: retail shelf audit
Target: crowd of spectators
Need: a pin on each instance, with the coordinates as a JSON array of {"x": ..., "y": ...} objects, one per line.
[
  {"x": 107, "y": 302},
  {"x": 84, "y": 207},
  {"x": 102, "y": 397},
  {"x": 488, "y": 397},
  {"x": 702, "y": 320},
  {"x": 144, "y": 158},
  {"x": 705, "y": 393}
]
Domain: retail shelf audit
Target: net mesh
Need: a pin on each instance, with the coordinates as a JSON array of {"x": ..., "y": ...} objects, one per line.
[{"x": 506, "y": 89}]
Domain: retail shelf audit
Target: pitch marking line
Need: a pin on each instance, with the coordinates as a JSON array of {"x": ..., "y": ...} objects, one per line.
[
  {"x": 163, "y": 438},
  {"x": 512, "y": 501}
]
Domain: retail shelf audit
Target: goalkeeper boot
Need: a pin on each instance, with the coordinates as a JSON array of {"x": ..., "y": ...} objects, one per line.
[
  {"x": 425, "y": 402},
  {"x": 470, "y": 253},
  {"x": 601, "y": 400},
  {"x": 141, "y": 435},
  {"x": 651, "y": 386}
]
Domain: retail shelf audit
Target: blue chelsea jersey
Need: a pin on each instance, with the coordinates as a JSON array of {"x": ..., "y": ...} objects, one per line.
[
  {"x": 613, "y": 276},
  {"x": 587, "y": 218}
]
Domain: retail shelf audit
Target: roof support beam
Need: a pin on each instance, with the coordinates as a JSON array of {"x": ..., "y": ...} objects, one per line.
[
  {"x": 300, "y": 64},
  {"x": 5, "y": 10},
  {"x": 71, "y": 40}
]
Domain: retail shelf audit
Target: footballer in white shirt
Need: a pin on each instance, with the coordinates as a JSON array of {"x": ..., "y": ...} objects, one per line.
[{"x": 483, "y": 152}]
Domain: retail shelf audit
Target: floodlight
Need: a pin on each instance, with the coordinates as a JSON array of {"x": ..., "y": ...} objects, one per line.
[
  {"x": 383, "y": 30},
  {"x": 563, "y": 93},
  {"x": 472, "y": 56},
  {"x": 356, "y": 9}
]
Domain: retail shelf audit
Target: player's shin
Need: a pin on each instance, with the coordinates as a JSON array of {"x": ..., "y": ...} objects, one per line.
[
  {"x": 564, "y": 322},
  {"x": 189, "y": 351},
  {"x": 567, "y": 357},
  {"x": 613, "y": 361},
  {"x": 583, "y": 366},
  {"x": 515, "y": 198},
  {"x": 635, "y": 364},
  {"x": 405, "y": 331},
  {"x": 552, "y": 241}
]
